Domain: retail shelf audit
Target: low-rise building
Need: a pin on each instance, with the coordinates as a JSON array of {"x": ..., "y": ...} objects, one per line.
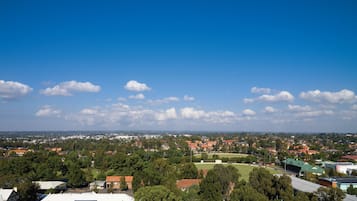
[
  {"x": 339, "y": 182},
  {"x": 88, "y": 197},
  {"x": 55, "y": 186},
  {"x": 8, "y": 195},
  {"x": 341, "y": 167},
  {"x": 301, "y": 167},
  {"x": 97, "y": 185},
  {"x": 114, "y": 182}
]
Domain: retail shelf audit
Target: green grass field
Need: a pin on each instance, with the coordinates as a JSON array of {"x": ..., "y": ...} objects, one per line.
[
  {"x": 222, "y": 155},
  {"x": 244, "y": 169}
]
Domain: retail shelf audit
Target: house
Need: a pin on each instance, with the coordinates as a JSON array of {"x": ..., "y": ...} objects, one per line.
[
  {"x": 56, "y": 186},
  {"x": 99, "y": 185},
  {"x": 114, "y": 182},
  {"x": 339, "y": 182},
  {"x": 88, "y": 196},
  {"x": 18, "y": 152},
  {"x": 8, "y": 195},
  {"x": 301, "y": 167},
  {"x": 185, "y": 184}
]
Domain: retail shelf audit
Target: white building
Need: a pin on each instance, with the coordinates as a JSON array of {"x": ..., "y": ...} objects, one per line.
[
  {"x": 51, "y": 185},
  {"x": 8, "y": 195},
  {"x": 341, "y": 167},
  {"x": 88, "y": 196}
]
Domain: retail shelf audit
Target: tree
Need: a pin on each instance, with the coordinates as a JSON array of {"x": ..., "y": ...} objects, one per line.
[
  {"x": 301, "y": 196},
  {"x": 247, "y": 193},
  {"x": 191, "y": 194},
  {"x": 123, "y": 184},
  {"x": 210, "y": 187},
  {"x": 220, "y": 180},
  {"x": 188, "y": 171},
  {"x": 262, "y": 181},
  {"x": 28, "y": 191},
  {"x": 284, "y": 189},
  {"x": 155, "y": 193},
  {"x": 330, "y": 194},
  {"x": 75, "y": 176}
]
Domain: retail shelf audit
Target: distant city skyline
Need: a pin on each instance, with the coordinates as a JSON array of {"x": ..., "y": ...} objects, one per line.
[{"x": 214, "y": 66}]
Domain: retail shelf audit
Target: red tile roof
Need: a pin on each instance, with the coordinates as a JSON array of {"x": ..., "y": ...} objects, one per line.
[
  {"x": 186, "y": 183},
  {"x": 117, "y": 178}
]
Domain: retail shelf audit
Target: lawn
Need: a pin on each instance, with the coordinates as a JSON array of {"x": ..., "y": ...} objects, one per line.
[
  {"x": 244, "y": 169},
  {"x": 222, "y": 155}
]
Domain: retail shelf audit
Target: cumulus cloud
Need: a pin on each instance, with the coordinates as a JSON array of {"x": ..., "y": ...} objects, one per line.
[
  {"x": 211, "y": 116},
  {"x": 269, "y": 109},
  {"x": 69, "y": 87},
  {"x": 343, "y": 96},
  {"x": 166, "y": 115},
  {"x": 137, "y": 96},
  {"x": 188, "y": 98},
  {"x": 164, "y": 100},
  {"x": 48, "y": 111},
  {"x": 256, "y": 90},
  {"x": 248, "y": 112},
  {"x": 192, "y": 113},
  {"x": 354, "y": 107},
  {"x": 278, "y": 97},
  {"x": 315, "y": 113},
  {"x": 134, "y": 85},
  {"x": 299, "y": 108},
  {"x": 307, "y": 111},
  {"x": 12, "y": 90},
  {"x": 281, "y": 96}
]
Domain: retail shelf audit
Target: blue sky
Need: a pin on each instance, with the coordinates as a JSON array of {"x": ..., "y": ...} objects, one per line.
[{"x": 179, "y": 65}]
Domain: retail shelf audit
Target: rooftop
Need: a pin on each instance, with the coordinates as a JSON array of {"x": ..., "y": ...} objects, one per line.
[{"x": 88, "y": 196}]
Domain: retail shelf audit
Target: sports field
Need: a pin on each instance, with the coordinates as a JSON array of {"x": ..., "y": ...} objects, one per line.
[{"x": 244, "y": 169}]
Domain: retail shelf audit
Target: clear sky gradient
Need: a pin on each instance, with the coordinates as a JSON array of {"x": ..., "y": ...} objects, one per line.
[{"x": 179, "y": 65}]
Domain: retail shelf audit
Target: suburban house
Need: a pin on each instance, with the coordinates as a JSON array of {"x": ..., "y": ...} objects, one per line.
[
  {"x": 114, "y": 182},
  {"x": 8, "y": 195},
  {"x": 185, "y": 184},
  {"x": 18, "y": 151}
]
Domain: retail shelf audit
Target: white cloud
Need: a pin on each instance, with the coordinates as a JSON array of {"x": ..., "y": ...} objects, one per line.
[
  {"x": 134, "y": 85},
  {"x": 137, "y": 96},
  {"x": 278, "y": 97},
  {"x": 164, "y": 100},
  {"x": 315, "y": 113},
  {"x": 67, "y": 88},
  {"x": 343, "y": 96},
  {"x": 249, "y": 112},
  {"x": 48, "y": 111},
  {"x": 166, "y": 115},
  {"x": 248, "y": 100},
  {"x": 299, "y": 108},
  {"x": 188, "y": 98},
  {"x": 354, "y": 107},
  {"x": 212, "y": 116},
  {"x": 89, "y": 111},
  {"x": 281, "y": 96},
  {"x": 192, "y": 113},
  {"x": 13, "y": 90},
  {"x": 256, "y": 90},
  {"x": 269, "y": 109}
]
